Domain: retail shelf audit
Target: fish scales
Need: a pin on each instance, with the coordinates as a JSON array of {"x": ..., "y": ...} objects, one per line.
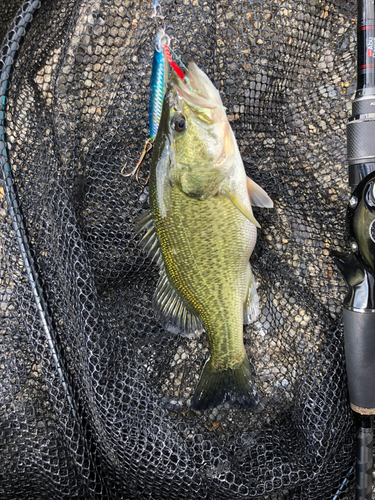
[{"x": 206, "y": 247}]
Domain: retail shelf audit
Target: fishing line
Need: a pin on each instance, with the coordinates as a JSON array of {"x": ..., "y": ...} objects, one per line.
[{"x": 178, "y": 59}]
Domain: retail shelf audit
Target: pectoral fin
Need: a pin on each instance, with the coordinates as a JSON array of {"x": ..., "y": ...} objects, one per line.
[
  {"x": 238, "y": 203},
  {"x": 258, "y": 197}
]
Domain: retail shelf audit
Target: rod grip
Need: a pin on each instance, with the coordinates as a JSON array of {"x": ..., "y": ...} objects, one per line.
[
  {"x": 364, "y": 464},
  {"x": 359, "y": 330}
]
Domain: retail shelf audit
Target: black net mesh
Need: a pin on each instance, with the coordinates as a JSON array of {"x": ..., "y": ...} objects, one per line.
[{"x": 95, "y": 394}]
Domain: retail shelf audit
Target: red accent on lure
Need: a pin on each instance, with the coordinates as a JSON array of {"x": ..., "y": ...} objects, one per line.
[{"x": 177, "y": 69}]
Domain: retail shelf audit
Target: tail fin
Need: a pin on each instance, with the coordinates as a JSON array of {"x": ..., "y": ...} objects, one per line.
[{"x": 233, "y": 385}]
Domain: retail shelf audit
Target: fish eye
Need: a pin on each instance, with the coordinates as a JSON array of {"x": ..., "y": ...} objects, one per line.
[{"x": 179, "y": 123}]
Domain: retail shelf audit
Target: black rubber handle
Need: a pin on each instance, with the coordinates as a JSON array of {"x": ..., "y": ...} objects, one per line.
[
  {"x": 359, "y": 330},
  {"x": 364, "y": 465}
]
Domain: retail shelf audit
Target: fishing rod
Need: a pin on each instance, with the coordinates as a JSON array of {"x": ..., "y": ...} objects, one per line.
[{"x": 358, "y": 267}]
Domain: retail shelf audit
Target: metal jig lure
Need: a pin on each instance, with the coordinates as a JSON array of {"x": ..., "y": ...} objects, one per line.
[{"x": 159, "y": 76}]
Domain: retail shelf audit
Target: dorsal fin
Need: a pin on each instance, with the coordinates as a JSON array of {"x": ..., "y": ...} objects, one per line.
[
  {"x": 172, "y": 310},
  {"x": 251, "y": 305}
]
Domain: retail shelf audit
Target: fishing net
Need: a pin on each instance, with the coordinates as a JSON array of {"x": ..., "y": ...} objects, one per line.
[{"x": 94, "y": 393}]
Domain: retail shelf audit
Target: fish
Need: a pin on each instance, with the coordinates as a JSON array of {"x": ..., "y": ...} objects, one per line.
[{"x": 200, "y": 229}]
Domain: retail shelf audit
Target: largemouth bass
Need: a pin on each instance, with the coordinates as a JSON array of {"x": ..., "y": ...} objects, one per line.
[{"x": 201, "y": 231}]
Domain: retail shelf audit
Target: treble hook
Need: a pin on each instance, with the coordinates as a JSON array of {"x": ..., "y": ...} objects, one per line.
[{"x": 146, "y": 148}]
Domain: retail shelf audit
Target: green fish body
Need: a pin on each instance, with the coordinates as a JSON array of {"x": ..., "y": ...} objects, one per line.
[{"x": 201, "y": 231}]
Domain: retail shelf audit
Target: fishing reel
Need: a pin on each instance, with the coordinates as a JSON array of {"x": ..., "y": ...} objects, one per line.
[{"x": 358, "y": 269}]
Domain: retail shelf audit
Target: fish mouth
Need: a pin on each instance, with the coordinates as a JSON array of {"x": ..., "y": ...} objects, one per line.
[
  {"x": 204, "y": 102},
  {"x": 198, "y": 91}
]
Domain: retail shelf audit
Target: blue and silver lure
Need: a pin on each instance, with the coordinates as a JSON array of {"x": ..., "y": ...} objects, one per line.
[{"x": 159, "y": 77}]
